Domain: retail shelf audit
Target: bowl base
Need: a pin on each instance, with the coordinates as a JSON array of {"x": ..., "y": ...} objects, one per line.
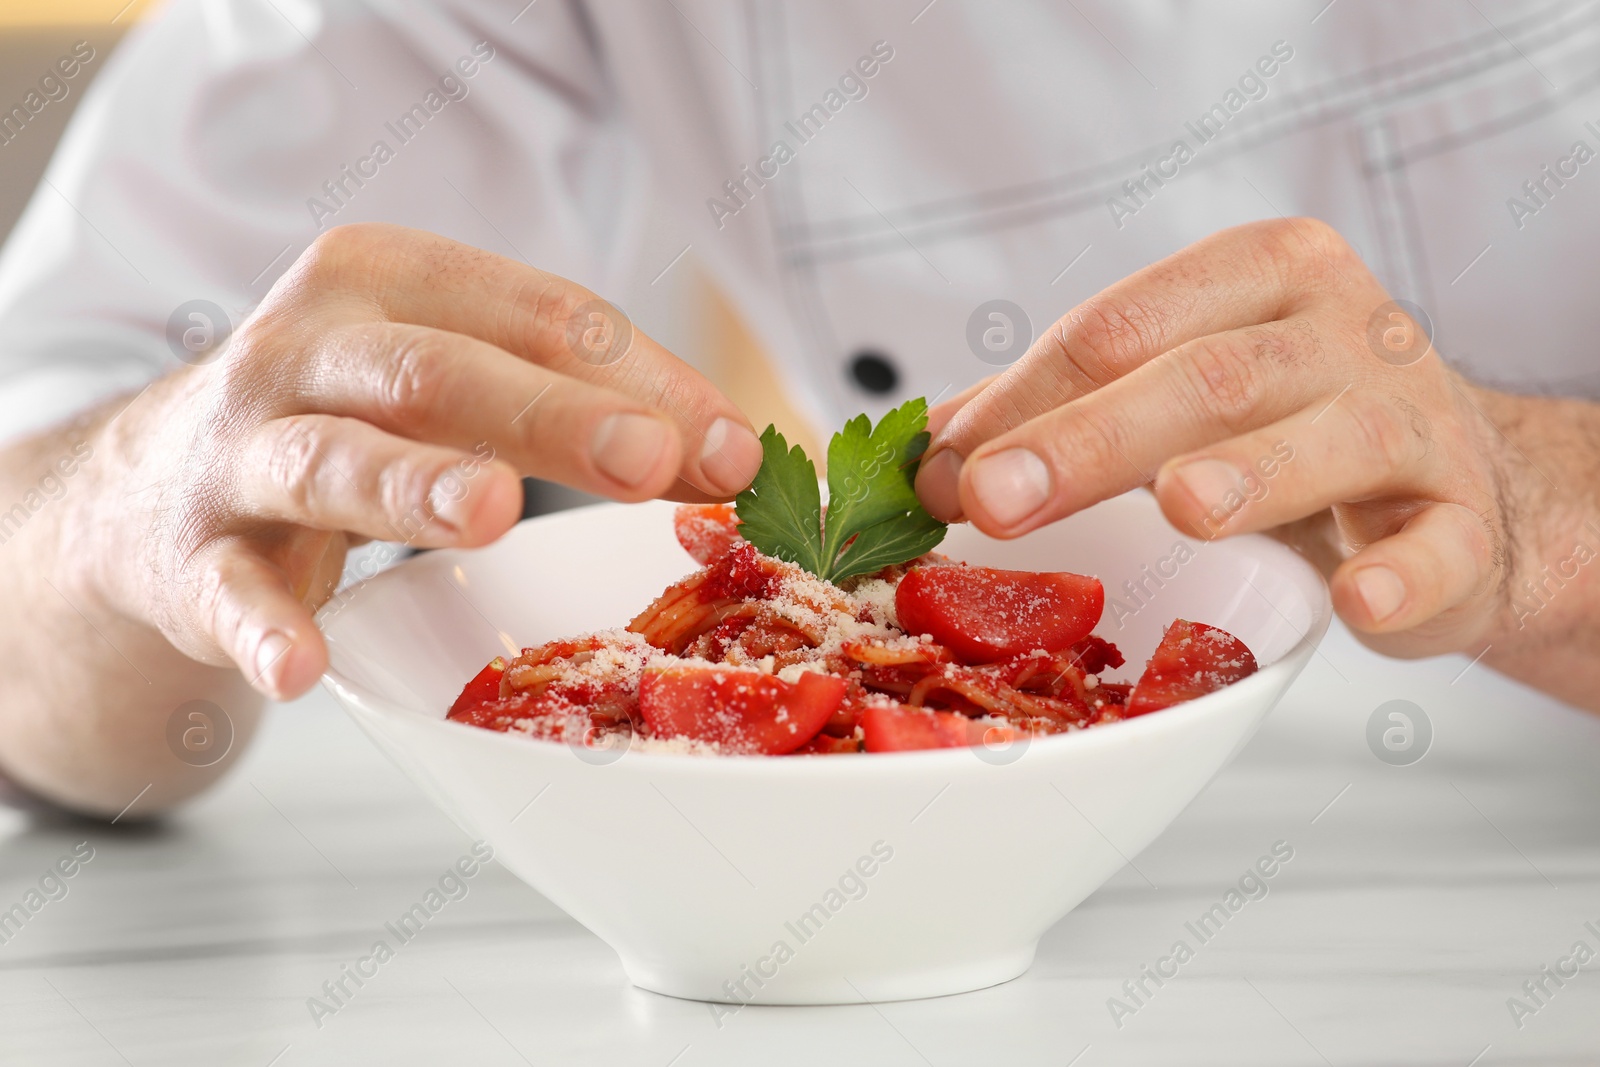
[{"x": 865, "y": 985}]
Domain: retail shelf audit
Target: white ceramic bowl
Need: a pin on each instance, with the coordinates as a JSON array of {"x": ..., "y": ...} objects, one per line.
[{"x": 824, "y": 879}]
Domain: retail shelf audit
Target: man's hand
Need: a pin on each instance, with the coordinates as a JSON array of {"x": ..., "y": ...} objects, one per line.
[
  {"x": 393, "y": 385},
  {"x": 1262, "y": 380}
]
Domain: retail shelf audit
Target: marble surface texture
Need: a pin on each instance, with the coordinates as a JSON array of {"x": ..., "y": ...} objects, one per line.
[{"x": 1418, "y": 901}]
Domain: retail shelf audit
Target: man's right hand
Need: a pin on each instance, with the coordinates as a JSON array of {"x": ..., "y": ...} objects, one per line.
[{"x": 362, "y": 400}]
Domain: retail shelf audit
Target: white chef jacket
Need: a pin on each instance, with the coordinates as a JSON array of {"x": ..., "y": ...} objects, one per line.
[{"x": 860, "y": 177}]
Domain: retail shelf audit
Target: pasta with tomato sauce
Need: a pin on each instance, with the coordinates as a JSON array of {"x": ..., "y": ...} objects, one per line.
[{"x": 751, "y": 655}]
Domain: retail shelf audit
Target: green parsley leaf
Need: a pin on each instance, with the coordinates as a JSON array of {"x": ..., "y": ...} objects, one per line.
[
  {"x": 894, "y": 541},
  {"x": 781, "y": 512},
  {"x": 873, "y": 519}
]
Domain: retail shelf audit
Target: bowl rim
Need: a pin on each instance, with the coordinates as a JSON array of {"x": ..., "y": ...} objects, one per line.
[{"x": 1276, "y": 675}]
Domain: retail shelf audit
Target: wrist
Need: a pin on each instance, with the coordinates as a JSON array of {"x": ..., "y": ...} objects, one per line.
[
  {"x": 96, "y": 553},
  {"x": 1542, "y": 453}
]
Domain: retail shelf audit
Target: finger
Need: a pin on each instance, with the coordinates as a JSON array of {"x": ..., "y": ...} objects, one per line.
[
  {"x": 251, "y": 612},
  {"x": 452, "y": 390},
  {"x": 423, "y": 279},
  {"x": 939, "y": 414},
  {"x": 332, "y": 473},
  {"x": 1116, "y": 437},
  {"x": 1358, "y": 447},
  {"x": 1442, "y": 559},
  {"x": 1239, "y": 277},
  {"x": 937, "y": 473}
]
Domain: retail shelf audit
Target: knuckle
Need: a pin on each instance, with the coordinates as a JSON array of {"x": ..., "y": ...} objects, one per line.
[
  {"x": 675, "y": 395},
  {"x": 1320, "y": 235},
  {"x": 1104, "y": 446},
  {"x": 1104, "y": 340},
  {"x": 1062, "y": 341},
  {"x": 295, "y": 462},
  {"x": 257, "y": 379},
  {"x": 548, "y": 306},
  {"x": 403, "y": 492},
  {"x": 336, "y": 249},
  {"x": 1225, "y": 380},
  {"x": 411, "y": 377},
  {"x": 1302, "y": 347},
  {"x": 1298, "y": 250}
]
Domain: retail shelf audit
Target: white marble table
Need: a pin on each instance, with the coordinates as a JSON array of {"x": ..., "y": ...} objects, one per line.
[{"x": 1416, "y": 904}]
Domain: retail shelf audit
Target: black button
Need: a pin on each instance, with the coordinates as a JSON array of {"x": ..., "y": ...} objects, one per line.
[{"x": 873, "y": 372}]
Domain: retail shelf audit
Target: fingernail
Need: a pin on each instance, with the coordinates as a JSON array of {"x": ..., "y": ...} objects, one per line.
[
  {"x": 1381, "y": 590},
  {"x": 1011, "y": 485},
  {"x": 1210, "y": 481},
  {"x": 628, "y": 447},
  {"x": 271, "y": 652},
  {"x": 939, "y": 485},
  {"x": 731, "y": 456}
]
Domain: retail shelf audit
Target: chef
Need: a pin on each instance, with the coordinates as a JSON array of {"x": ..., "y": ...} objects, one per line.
[{"x": 307, "y": 272}]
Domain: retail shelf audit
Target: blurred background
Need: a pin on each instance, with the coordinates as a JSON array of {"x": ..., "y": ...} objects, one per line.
[
  {"x": 32, "y": 34},
  {"x": 679, "y": 307}
]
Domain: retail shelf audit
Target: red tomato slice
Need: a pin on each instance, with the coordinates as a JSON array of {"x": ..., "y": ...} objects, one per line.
[
  {"x": 1192, "y": 660},
  {"x": 705, "y": 530},
  {"x": 743, "y": 711},
  {"x": 483, "y": 689},
  {"x": 899, "y": 728},
  {"x": 984, "y": 615}
]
